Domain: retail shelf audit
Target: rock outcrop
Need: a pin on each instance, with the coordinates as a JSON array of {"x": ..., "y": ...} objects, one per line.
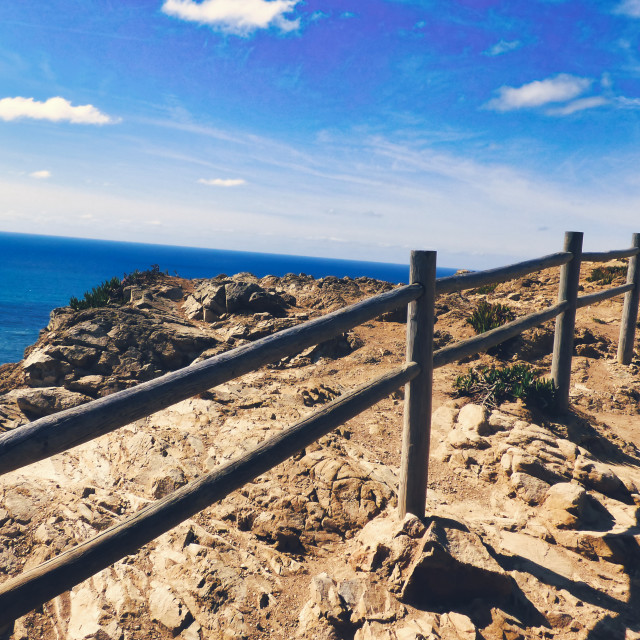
[{"x": 531, "y": 527}]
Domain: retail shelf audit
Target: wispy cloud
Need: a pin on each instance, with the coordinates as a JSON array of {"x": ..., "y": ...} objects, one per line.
[
  {"x": 54, "y": 109},
  {"x": 628, "y": 103},
  {"x": 503, "y": 46},
  {"x": 40, "y": 175},
  {"x": 579, "y": 105},
  {"x": 240, "y": 17},
  {"x": 560, "y": 88},
  {"x": 219, "y": 182},
  {"x": 629, "y": 8}
]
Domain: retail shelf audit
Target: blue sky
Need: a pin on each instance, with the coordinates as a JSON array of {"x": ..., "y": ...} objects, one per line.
[{"x": 483, "y": 129}]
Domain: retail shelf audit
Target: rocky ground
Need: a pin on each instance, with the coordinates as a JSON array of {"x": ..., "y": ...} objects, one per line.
[{"x": 532, "y": 519}]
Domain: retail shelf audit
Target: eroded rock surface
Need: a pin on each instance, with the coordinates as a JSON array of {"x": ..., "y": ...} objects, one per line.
[{"x": 531, "y": 527}]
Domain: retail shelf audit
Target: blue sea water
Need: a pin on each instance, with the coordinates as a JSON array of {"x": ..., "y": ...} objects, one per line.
[{"x": 39, "y": 273}]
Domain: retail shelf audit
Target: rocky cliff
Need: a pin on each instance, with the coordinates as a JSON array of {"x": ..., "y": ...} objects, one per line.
[{"x": 532, "y": 520}]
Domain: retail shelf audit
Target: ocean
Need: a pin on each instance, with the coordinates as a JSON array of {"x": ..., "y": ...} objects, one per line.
[{"x": 39, "y": 273}]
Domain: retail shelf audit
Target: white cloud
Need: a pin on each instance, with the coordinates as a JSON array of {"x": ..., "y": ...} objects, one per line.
[
  {"x": 503, "y": 47},
  {"x": 219, "y": 182},
  {"x": 629, "y": 8},
  {"x": 40, "y": 175},
  {"x": 235, "y": 16},
  {"x": 578, "y": 105},
  {"x": 54, "y": 109},
  {"x": 560, "y": 88},
  {"x": 628, "y": 103}
]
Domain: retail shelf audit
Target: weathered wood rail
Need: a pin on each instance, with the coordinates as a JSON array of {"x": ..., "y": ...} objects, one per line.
[{"x": 54, "y": 434}]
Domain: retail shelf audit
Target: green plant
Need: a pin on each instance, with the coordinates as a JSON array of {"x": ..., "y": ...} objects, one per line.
[
  {"x": 100, "y": 296},
  {"x": 491, "y": 386},
  {"x": 490, "y": 316},
  {"x": 606, "y": 275},
  {"x": 486, "y": 288},
  {"x": 113, "y": 290},
  {"x": 142, "y": 277}
]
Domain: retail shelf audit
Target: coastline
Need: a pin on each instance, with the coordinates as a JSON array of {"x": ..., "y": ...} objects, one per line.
[{"x": 40, "y": 273}]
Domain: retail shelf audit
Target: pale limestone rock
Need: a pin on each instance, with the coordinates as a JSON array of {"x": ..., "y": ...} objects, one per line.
[
  {"x": 192, "y": 308},
  {"x": 192, "y": 632},
  {"x": 22, "y": 508},
  {"x": 464, "y": 628},
  {"x": 456, "y": 566},
  {"x": 444, "y": 418},
  {"x": 43, "y": 370},
  {"x": 533, "y": 466},
  {"x": 375, "y": 631},
  {"x": 45, "y": 401},
  {"x": 474, "y": 418},
  {"x": 85, "y": 613},
  {"x": 538, "y": 551},
  {"x": 377, "y": 604},
  {"x": 351, "y": 591},
  {"x": 467, "y": 440},
  {"x": 564, "y": 504},
  {"x": 500, "y": 421},
  {"x": 617, "y": 547},
  {"x": 385, "y": 540},
  {"x": 419, "y": 626},
  {"x": 166, "y": 608},
  {"x": 598, "y": 476},
  {"x": 312, "y": 625},
  {"x": 529, "y": 488},
  {"x": 324, "y": 596},
  {"x": 568, "y": 449},
  {"x": 121, "y": 591}
]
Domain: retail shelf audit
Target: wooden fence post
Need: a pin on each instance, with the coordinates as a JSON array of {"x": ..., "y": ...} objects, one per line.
[
  {"x": 565, "y": 322},
  {"x": 417, "y": 401},
  {"x": 630, "y": 309}
]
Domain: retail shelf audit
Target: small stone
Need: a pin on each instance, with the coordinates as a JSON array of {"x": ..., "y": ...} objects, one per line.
[{"x": 474, "y": 418}]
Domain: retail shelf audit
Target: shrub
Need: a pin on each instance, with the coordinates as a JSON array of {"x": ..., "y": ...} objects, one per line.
[
  {"x": 113, "y": 290},
  {"x": 606, "y": 275},
  {"x": 100, "y": 296},
  {"x": 492, "y": 386},
  {"x": 490, "y": 316},
  {"x": 142, "y": 277}
]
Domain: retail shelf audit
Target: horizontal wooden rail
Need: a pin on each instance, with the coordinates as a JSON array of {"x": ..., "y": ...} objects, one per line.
[
  {"x": 501, "y": 274},
  {"x": 25, "y": 592},
  {"x": 494, "y": 337},
  {"x": 599, "y": 296},
  {"x": 605, "y": 256},
  {"x": 54, "y": 434}
]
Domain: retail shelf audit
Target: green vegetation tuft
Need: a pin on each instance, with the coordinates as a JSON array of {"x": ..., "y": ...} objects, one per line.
[
  {"x": 606, "y": 275},
  {"x": 100, "y": 296},
  {"x": 112, "y": 291},
  {"x": 486, "y": 288},
  {"x": 491, "y": 386},
  {"x": 490, "y": 316},
  {"x": 142, "y": 277}
]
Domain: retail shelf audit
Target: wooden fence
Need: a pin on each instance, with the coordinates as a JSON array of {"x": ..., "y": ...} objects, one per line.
[{"x": 54, "y": 434}]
